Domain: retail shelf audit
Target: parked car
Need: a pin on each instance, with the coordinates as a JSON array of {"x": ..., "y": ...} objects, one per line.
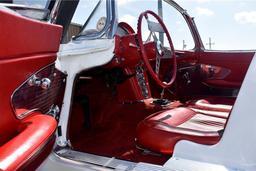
[{"x": 112, "y": 88}]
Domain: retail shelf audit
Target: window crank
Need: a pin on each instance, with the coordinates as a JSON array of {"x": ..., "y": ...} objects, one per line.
[
  {"x": 34, "y": 81},
  {"x": 45, "y": 83}
]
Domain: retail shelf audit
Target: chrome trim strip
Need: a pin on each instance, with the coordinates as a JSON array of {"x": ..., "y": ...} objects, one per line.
[
  {"x": 28, "y": 112},
  {"x": 106, "y": 162}
]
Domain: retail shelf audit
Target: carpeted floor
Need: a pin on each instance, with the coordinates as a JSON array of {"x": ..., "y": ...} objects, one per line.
[{"x": 113, "y": 137}]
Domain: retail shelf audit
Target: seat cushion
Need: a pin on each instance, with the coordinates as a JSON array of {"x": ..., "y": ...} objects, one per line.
[
  {"x": 213, "y": 106},
  {"x": 161, "y": 131}
]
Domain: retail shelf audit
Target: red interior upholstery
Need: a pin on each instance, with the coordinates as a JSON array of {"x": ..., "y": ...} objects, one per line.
[
  {"x": 235, "y": 61},
  {"x": 213, "y": 106},
  {"x": 213, "y": 103},
  {"x": 161, "y": 131},
  {"x": 33, "y": 134},
  {"x": 26, "y": 47},
  {"x": 22, "y": 36}
]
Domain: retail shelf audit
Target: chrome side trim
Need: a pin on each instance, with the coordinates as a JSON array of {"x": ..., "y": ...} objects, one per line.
[
  {"x": 28, "y": 112},
  {"x": 106, "y": 162}
]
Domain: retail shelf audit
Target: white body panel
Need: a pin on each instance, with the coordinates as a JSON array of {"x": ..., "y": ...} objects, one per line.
[
  {"x": 236, "y": 149},
  {"x": 74, "y": 58}
]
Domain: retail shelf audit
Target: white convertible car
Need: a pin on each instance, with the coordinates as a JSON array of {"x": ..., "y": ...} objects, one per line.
[{"x": 119, "y": 92}]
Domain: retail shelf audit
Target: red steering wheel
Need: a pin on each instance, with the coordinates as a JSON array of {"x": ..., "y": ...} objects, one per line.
[{"x": 162, "y": 52}]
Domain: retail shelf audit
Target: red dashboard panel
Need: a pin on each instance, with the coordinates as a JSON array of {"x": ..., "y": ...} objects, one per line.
[
  {"x": 128, "y": 52},
  {"x": 22, "y": 36}
]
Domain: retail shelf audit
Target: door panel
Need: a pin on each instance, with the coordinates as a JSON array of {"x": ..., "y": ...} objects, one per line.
[
  {"x": 225, "y": 69},
  {"x": 207, "y": 73},
  {"x": 13, "y": 73},
  {"x": 23, "y": 36},
  {"x": 27, "y": 46}
]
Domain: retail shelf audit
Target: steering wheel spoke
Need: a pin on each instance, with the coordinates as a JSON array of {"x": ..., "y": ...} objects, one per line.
[
  {"x": 167, "y": 53},
  {"x": 158, "y": 63},
  {"x": 149, "y": 37}
]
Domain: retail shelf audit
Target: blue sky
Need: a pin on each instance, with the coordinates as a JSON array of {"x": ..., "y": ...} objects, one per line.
[{"x": 231, "y": 24}]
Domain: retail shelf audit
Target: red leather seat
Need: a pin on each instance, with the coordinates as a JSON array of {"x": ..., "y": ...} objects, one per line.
[
  {"x": 33, "y": 134},
  {"x": 161, "y": 131},
  {"x": 213, "y": 106}
]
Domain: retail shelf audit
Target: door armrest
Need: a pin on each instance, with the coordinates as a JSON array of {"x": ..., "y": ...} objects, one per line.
[{"x": 34, "y": 134}]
